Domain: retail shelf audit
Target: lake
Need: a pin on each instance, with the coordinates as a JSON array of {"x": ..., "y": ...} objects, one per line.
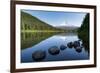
[{"x": 31, "y": 42}]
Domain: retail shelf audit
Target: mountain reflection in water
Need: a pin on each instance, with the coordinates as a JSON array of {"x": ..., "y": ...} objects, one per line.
[{"x": 31, "y": 42}]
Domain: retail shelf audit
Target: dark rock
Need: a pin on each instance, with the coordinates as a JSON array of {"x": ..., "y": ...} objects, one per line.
[
  {"x": 39, "y": 55},
  {"x": 62, "y": 47},
  {"x": 76, "y": 44},
  {"x": 78, "y": 49},
  {"x": 54, "y": 50},
  {"x": 70, "y": 44}
]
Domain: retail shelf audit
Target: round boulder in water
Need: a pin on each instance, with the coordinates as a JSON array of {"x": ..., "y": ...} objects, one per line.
[
  {"x": 39, "y": 55},
  {"x": 54, "y": 50},
  {"x": 76, "y": 44},
  {"x": 70, "y": 44},
  {"x": 62, "y": 47}
]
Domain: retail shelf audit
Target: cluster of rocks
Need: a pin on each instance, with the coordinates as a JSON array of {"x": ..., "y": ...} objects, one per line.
[
  {"x": 76, "y": 44},
  {"x": 54, "y": 50}
]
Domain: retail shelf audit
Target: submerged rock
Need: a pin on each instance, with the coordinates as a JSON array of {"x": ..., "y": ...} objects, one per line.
[
  {"x": 76, "y": 44},
  {"x": 54, "y": 50},
  {"x": 70, "y": 44},
  {"x": 39, "y": 55},
  {"x": 62, "y": 47},
  {"x": 78, "y": 49}
]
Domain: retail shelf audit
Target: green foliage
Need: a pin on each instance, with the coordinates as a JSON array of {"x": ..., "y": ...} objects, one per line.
[
  {"x": 85, "y": 25},
  {"x": 84, "y": 31}
]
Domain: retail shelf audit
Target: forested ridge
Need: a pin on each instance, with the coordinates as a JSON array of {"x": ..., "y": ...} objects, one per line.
[
  {"x": 84, "y": 31},
  {"x": 29, "y": 22}
]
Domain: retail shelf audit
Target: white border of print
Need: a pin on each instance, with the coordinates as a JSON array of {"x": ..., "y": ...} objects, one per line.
[{"x": 20, "y": 65}]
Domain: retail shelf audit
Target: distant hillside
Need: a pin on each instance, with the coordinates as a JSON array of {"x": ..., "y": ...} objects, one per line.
[
  {"x": 67, "y": 27},
  {"x": 29, "y": 22}
]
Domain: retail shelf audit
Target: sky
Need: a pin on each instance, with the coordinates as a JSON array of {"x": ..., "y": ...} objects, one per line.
[{"x": 57, "y": 18}]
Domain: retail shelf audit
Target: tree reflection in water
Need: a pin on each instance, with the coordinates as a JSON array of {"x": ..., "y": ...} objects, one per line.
[{"x": 29, "y": 39}]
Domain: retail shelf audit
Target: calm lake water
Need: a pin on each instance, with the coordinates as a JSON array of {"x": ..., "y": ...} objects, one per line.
[{"x": 31, "y": 42}]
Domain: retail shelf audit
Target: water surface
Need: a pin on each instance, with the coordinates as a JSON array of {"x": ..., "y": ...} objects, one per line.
[{"x": 31, "y": 42}]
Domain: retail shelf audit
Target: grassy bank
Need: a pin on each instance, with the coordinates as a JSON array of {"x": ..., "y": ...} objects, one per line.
[{"x": 60, "y": 31}]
